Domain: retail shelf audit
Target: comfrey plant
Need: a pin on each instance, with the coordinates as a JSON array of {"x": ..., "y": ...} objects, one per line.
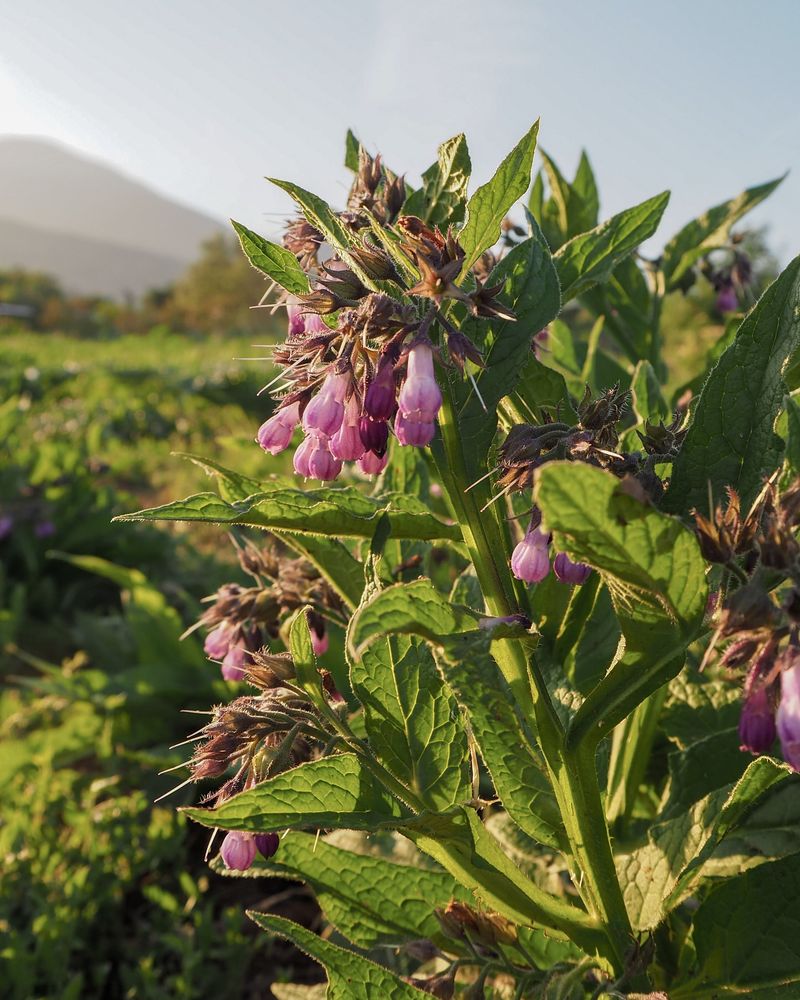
[{"x": 563, "y": 618}]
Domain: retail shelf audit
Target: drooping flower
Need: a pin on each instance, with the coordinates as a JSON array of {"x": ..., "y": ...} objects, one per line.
[
  {"x": 319, "y": 639},
  {"x": 374, "y": 434},
  {"x": 568, "y": 571},
  {"x": 267, "y": 844},
  {"x": 379, "y": 399},
  {"x": 757, "y": 728},
  {"x": 238, "y": 850},
  {"x": 346, "y": 443},
  {"x": 275, "y": 434},
  {"x": 371, "y": 464},
  {"x": 530, "y": 560},
  {"x": 217, "y": 642},
  {"x": 727, "y": 300},
  {"x": 322, "y": 464},
  {"x": 411, "y": 431},
  {"x": 788, "y": 718},
  {"x": 325, "y": 412},
  {"x": 234, "y": 663},
  {"x": 420, "y": 397}
]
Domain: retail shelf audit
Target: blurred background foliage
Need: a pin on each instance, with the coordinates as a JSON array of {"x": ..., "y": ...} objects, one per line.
[{"x": 105, "y": 892}]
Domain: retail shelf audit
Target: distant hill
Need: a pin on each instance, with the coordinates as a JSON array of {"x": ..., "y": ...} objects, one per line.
[{"x": 94, "y": 229}]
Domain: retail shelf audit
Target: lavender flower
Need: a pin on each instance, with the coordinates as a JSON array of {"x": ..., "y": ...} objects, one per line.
[
  {"x": 371, "y": 464},
  {"x": 325, "y": 412},
  {"x": 420, "y": 398},
  {"x": 414, "y": 432},
  {"x": 374, "y": 434},
  {"x": 379, "y": 401},
  {"x": 757, "y": 721},
  {"x": 346, "y": 443},
  {"x": 788, "y": 719},
  {"x": 234, "y": 663},
  {"x": 568, "y": 571},
  {"x": 238, "y": 851},
  {"x": 275, "y": 434},
  {"x": 727, "y": 300},
  {"x": 218, "y": 642},
  {"x": 322, "y": 464},
  {"x": 530, "y": 560}
]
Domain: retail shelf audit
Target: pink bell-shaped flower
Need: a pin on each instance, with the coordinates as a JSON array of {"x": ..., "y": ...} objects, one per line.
[
  {"x": 530, "y": 560},
  {"x": 275, "y": 434},
  {"x": 238, "y": 850},
  {"x": 346, "y": 443},
  {"x": 325, "y": 412},
  {"x": 420, "y": 398}
]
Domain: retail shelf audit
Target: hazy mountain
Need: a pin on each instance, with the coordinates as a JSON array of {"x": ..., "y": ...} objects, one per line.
[{"x": 93, "y": 228}]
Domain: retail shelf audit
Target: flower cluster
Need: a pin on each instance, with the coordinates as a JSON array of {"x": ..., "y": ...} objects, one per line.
[
  {"x": 759, "y": 622},
  {"x": 731, "y": 282},
  {"x": 359, "y": 364},
  {"x": 243, "y": 620},
  {"x": 530, "y": 560}
]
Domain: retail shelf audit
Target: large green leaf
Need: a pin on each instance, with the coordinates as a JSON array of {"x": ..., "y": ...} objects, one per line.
[
  {"x": 698, "y": 706},
  {"x": 335, "y": 792},
  {"x": 275, "y": 261},
  {"x": 415, "y": 608},
  {"x": 591, "y": 257},
  {"x": 732, "y": 441},
  {"x": 707, "y": 840},
  {"x": 371, "y": 900},
  {"x": 344, "y": 512},
  {"x": 530, "y": 287},
  {"x": 654, "y": 572},
  {"x": 508, "y": 749},
  {"x": 412, "y": 721},
  {"x": 707, "y": 232},
  {"x": 441, "y": 199},
  {"x": 491, "y": 203},
  {"x": 350, "y": 977},
  {"x": 747, "y": 937}
]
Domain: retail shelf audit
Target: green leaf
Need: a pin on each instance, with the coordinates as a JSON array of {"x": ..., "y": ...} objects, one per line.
[
  {"x": 441, "y": 199},
  {"x": 344, "y": 512},
  {"x": 648, "y": 402},
  {"x": 687, "y": 850},
  {"x": 351, "y": 151},
  {"x": 412, "y": 721},
  {"x": 539, "y": 387},
  {"x": 584, "y": 191},
  {"x": 792, "y": 456},
  {"x": 491, "y": 203},
  {"x": 747, "y": 937},
  {"x": 698, "y": 706},
  {"x": 731, "y": 441},
  {"x": 335, "y": 792},
  {"x": 319, "y": 213},
  {"x": 232, "y": 485},
  {"x": 350, "y": 977},
  {"x": 415, "y": 608},
  {"x": 530, "y": 288},
  {"x": 275, "y": 261},
  {"x": 371, "y": 901},
  {"x": 507, "y": 748},
  {"x": 654, "y": 572},
  {"x": 706, "y": 764},
  {"x": 591, "y": 257},
  {"x": 708, "y": 232}
]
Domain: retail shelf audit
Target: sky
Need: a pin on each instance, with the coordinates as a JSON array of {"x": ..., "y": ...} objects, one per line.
[{"x": 201, "y": 100}]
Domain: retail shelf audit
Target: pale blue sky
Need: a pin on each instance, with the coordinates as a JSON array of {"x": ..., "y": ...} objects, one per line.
[{"x": 202, "y": 98}]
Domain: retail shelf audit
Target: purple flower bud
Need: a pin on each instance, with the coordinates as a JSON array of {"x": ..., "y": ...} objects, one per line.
[
  {"x": 530, "y": 560},
  {"x": 414, "y": 432},
  {"x": 275, "y": 434},
  {"x": 6, "y": 526},
  {"x": 44, "y": 529},
  {"x": 346, "y": 443},
  {"x": 322, "y": 464},
  {"x": 218, "y": 642},
  {"x": 568, "y": 571},
  {"x": 757, "y": 722},
  {"x": 372, "y": 464},
  {"x": 297, "y": 322},
  {"x": 726, "y": 299},
  {"x": 325, "y": 412},
  {"x": 379, "y": 398},
  {"x": 233, "y": 665},
  {"x": 238, "y": 851},
  {"x": 267, "y": 844},
  {"x": 319, "y": 640},
  {"x": 301, "y": 457},
  {"x": 789, "y": 716},
  {"x": 420, "y": 397},
  {"x": 374, "y": 434}
]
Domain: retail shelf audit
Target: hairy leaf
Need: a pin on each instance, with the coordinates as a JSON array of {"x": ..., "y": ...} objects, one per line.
[
  {"x": 350, "y": 977},
  {"x": 442, "y": 198},
  {"x": 335, "y": 792},
  {"x": 732, "y": 441},
  {"x": 491, "y": 203},
  {"x": 275, "y": 261},
  {"x": 591, "y": 257},
  {"x": 344, "y": 512}
]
